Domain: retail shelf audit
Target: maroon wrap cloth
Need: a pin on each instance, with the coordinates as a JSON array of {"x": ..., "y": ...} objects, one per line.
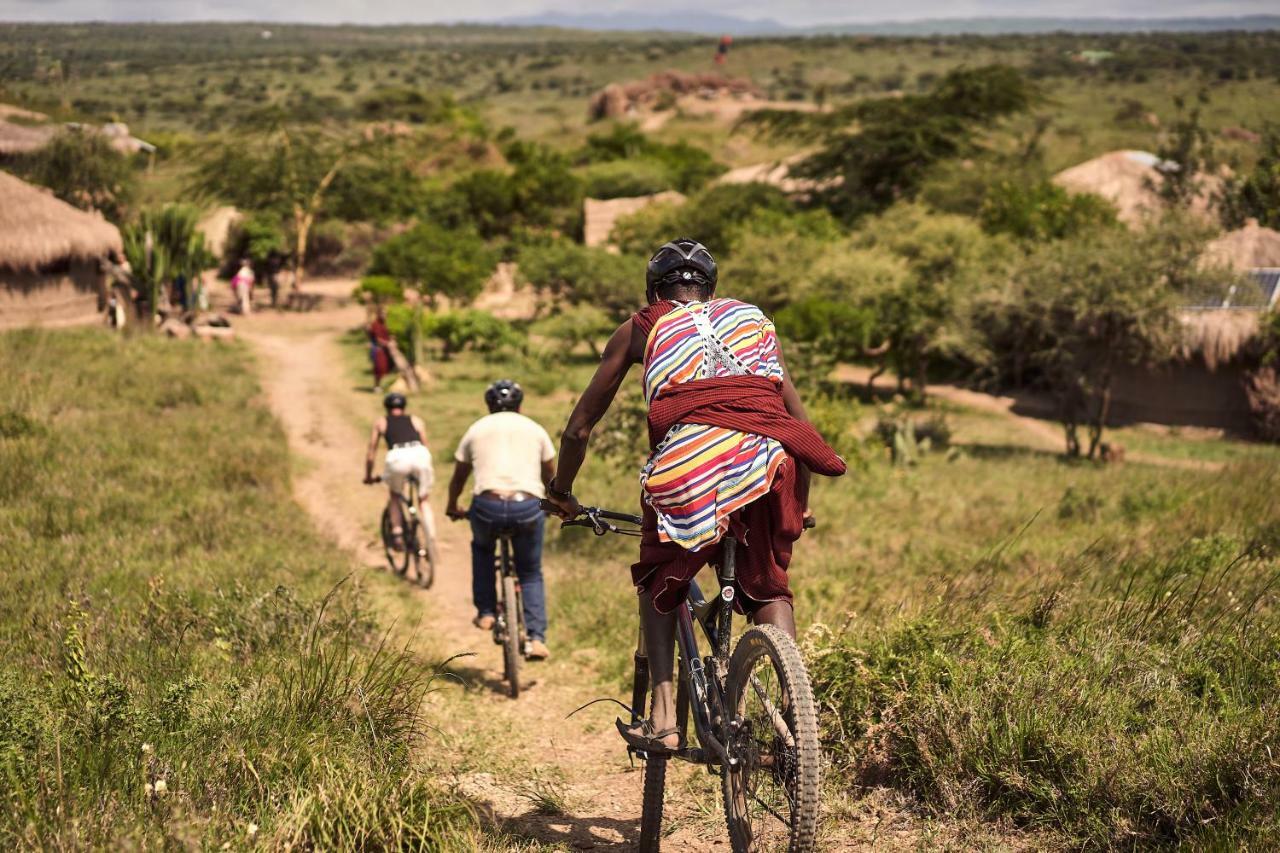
[{"x": 766, "y": 528}]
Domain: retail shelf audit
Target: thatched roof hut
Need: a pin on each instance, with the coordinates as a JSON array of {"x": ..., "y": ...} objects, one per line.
[
  {"x": 1217, "y": 336},
  {"x": 22, "y": 139},
  {"x": 1249, "y": 248},
  {"x": 37, "y": 229},
  {"x": 1128, "y": 179},
  {"x": 599, "y": 215}
]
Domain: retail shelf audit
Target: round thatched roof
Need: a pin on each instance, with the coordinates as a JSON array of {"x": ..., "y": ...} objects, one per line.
[
  {"x": 1128, "y": 179},
  {"x": 37, "y": 229},
  {"x": 1247, "y": 248}
]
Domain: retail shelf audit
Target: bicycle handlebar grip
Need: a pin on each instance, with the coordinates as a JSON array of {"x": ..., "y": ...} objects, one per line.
[{"x": 810, "y": 523}]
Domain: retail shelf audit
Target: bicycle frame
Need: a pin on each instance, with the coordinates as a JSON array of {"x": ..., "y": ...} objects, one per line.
[{"x": 700, "y": 686}]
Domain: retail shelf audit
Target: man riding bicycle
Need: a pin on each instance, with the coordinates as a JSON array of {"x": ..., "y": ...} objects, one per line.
[
  {"x": 510, "y": 456},
  {"x": 407, "y": 455},
  {"x": 731, "y": 453}
]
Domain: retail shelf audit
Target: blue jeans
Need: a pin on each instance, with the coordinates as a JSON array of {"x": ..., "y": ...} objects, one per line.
[{"x": 489, "y": 516}]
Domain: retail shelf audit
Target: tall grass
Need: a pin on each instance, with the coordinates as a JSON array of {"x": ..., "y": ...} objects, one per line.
[
  {"x": 1130, "y": 702},
  {"x": 181, "y": 663}
]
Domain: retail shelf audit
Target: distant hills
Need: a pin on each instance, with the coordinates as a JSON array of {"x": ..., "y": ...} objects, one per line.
[{"x": 707, "y": 23}]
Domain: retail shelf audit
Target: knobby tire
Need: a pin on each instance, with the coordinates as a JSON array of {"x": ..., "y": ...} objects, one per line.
[
  {"x": 511, "y": 644},
  {"x": 757, "y": 644}
]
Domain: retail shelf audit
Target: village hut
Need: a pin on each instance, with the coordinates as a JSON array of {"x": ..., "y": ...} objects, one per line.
[
  {"x": 1254, "y": 252},
  {"x": 50, "y": 258},
  {"x": 600, "y": 215},
  {"x": 1129, "y": 180},
  {"x": 19, "y": 139},
  {"x": 1204, "y": 384}
]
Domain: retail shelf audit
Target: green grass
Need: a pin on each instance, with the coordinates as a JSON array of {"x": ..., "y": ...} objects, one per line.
[{"x": 183, "y": 663}]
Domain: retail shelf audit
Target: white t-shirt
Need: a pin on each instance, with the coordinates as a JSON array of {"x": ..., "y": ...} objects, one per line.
[{"x": 506, "y": 451}]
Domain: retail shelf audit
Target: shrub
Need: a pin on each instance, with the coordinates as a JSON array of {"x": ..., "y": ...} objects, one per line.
[
  {"x": 710, "y": 217},
  {"x": 582, "y": 275},
  {"x": 455, "y": 331},
  {"x": 436, "y": 260},
  {"x": 1043, "y": 211},
  {"x": 623, "y": 178}
]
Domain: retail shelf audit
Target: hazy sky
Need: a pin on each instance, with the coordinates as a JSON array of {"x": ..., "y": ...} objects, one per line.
[{"x": 799, "y": 13}]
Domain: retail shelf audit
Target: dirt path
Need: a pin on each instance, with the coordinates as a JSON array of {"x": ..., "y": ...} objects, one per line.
[{"x": 521, "y": 760}]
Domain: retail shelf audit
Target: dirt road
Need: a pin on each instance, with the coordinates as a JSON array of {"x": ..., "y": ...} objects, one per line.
[{"x": 520, "y": 760}]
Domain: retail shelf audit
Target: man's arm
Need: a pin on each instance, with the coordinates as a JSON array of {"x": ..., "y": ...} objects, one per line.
[
  {"x": 620, "y": 353},
  {"x": 461, "y": 471},
  {"x": 375, "y": 435}
]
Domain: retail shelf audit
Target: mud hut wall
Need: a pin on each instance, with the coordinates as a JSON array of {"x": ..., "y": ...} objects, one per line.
[
  {"x": 68, "y": 294},
  {"x": 1183, "y": 394}
]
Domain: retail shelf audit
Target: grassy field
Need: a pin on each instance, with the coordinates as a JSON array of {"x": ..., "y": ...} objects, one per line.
[
  {"x": 185, "y": 662},
  {"x": 1088, "y": 652}
]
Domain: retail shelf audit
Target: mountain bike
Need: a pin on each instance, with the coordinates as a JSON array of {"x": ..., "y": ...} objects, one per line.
[
  {"x": 419, "y": 545},
  {"x": 753, "y": 714}
]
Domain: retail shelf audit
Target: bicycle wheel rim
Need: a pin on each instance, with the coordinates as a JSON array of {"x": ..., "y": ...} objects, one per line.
[{"x": 771, "y": 797}]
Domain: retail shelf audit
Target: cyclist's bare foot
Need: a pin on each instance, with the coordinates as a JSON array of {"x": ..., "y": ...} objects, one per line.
[
  {"x": 484, "y": 621},
  {"x": 538, "y": 650}
]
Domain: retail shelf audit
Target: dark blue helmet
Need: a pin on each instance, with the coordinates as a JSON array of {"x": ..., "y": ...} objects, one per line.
[
  {"x": 504, "y": 396},
  {"x": 394, "y": 401}
]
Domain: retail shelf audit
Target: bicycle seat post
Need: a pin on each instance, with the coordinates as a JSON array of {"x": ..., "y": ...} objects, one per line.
[{"x": 728, "y": 577}]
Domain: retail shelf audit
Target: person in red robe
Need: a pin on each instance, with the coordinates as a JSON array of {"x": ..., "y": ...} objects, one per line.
[{"x": 379, "y": 348}]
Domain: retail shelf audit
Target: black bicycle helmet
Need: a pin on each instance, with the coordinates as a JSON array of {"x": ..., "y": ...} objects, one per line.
[
  {"x": 682, "y": 260},
  {"x": 394, "y": 401},
  {"x": 504, "y": 396}
]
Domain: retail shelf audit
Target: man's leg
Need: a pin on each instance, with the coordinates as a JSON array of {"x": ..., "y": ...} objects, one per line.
[
  {"x": 777, "y": 613},
  {"x": 528, "y": 553},
  {"x": 660, "y": 647},
  {"x": 483, "y": 586}
]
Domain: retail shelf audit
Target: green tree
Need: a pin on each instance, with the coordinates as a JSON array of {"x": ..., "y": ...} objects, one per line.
[
  {"x": 1256, "y": 194},
  {"x": 279, "y": 169},
  {"x": 1185, "y": 155},
  {"x": 436, "y": 261},
  {"x": 1042, "y": 210},
  {"x": 712, "y": 216},
  {"x": 924, "y": 313},
  {"x": 582, "y": 275},
  {"x": 540, "y": 192},
  {"x": 575, "y": 325},
  {"x": 874, "y": 153},
  {"x": 83, "y": 169},
  {"x": 1086, "y": 307}
]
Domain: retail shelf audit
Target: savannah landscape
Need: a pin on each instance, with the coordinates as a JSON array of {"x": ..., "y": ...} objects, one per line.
[{"x": 1032, "y": 623}]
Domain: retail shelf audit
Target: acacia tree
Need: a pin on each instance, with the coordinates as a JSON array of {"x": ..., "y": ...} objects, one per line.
[
  {"x": 278, "y": 169},
  {"x": 1085, "y": 308},
  {"x": 874, "y": 153}
]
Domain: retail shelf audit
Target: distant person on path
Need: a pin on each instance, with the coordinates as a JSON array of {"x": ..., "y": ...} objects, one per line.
[
  {"x": 731, "y": 452},
  {"x": 407, "y": 455},
  {"x": 179, "y": 297},
  {"x": 510, "y": 456},
  {"x": 242, "y": 287},
  {"x": 379, "y": 348}
]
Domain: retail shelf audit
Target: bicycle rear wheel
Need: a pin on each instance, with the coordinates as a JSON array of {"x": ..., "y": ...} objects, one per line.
[
  {"x": 771, "y": 796},
  {"x": 397, "y": 560},
  {"x": 511, "y": 643}
]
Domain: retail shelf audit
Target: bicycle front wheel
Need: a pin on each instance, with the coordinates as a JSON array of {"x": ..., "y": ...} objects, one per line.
[
  {"x": 511, "y": 643},
  {"x": 655, "y": 781},
  {"x": 771, "y": 796},
  {"x": 428, "y": 558}
]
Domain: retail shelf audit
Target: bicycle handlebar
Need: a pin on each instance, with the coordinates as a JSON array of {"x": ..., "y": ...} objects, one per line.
[{"x": 599, "y": 520}]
